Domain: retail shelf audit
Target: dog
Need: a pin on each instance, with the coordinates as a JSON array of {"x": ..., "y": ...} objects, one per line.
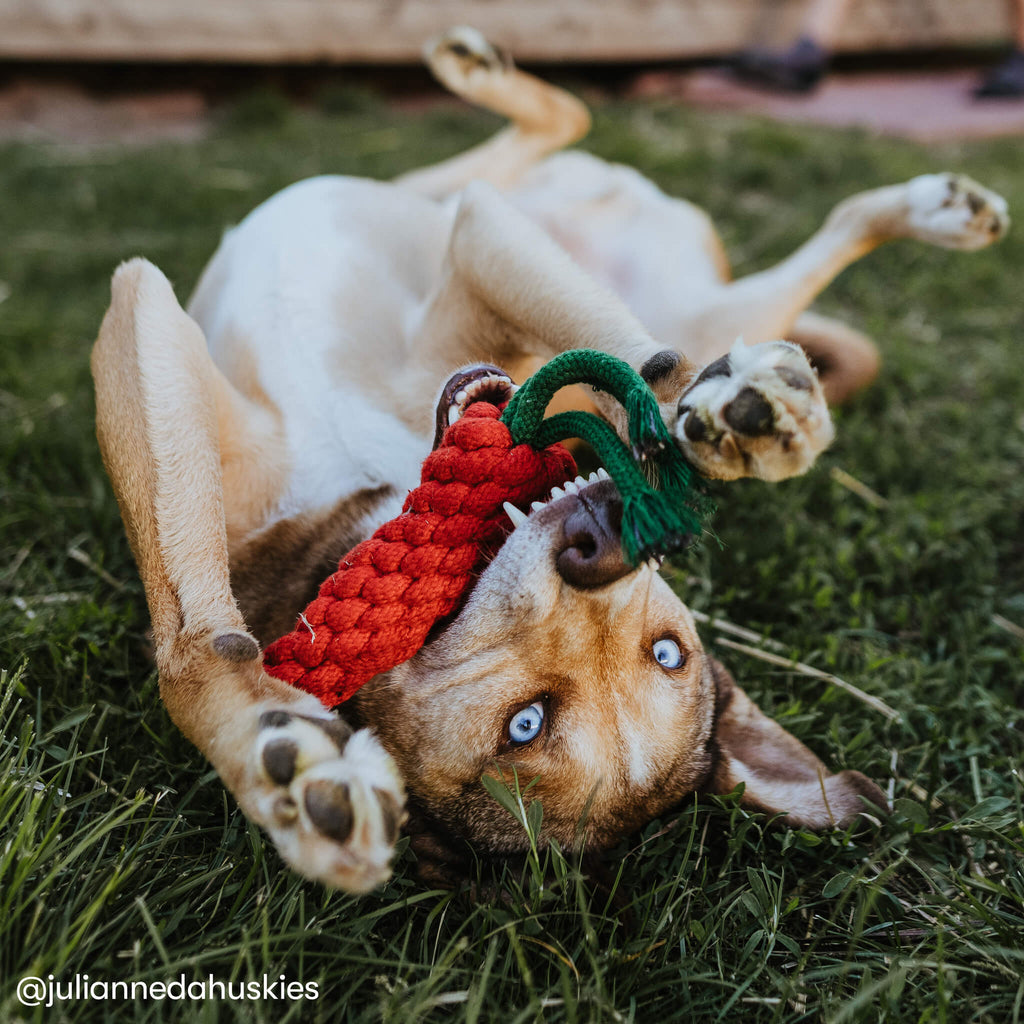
[{"x": 255, "y": 438}]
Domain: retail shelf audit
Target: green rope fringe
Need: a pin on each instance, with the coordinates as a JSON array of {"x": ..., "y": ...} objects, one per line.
[{"x": 658, "y": 517}]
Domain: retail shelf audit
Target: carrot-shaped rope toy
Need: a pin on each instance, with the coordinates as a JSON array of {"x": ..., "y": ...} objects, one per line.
[{"x": 376, "y": 610}]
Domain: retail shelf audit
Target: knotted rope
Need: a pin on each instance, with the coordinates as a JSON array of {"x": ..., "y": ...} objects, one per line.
[{"x": 388, "y": 592}]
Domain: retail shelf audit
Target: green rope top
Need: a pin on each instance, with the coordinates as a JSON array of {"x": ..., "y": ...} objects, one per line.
[{"x": 659, "y": 515}]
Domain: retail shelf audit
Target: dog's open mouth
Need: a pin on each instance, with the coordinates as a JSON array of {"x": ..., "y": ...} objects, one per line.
[{"x": 480, "y": 383}]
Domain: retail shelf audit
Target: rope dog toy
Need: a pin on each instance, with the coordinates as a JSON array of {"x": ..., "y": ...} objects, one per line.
[{"x": 377, "y": 609}]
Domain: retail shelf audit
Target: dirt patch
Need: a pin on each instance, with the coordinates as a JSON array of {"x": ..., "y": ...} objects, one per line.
[
  {"x": 926, "y": 106},
  {"x": 34, "y": 111}
]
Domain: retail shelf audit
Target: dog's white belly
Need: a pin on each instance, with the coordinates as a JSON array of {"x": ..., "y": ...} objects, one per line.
[
  {"x": 305, "y": 306},
  {"x": 661, "y": 255},
  {"x": 361, "y": 448}
]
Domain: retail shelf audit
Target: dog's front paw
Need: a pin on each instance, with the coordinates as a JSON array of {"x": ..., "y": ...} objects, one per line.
[
  {"x": 955, "y": 212},
  {"x": 331, "y": 798},
  {"x": 758, "y": 411}
]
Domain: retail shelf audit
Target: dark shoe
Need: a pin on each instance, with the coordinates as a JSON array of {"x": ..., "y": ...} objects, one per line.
[
  {"x": 798, "y": 69},
  {"x": 1004, "y": 81}
]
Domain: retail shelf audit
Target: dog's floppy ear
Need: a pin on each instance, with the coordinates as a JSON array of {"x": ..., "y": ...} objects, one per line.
[{"x": 780, "y": 775}]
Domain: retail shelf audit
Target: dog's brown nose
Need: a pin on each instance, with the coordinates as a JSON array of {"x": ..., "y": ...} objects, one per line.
[{"x": 591, "y": 551}]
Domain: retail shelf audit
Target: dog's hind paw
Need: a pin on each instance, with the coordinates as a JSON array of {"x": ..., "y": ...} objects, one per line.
[
  {"x": 461, "y": 56},
  {"x": 758, "y": 411},
  {"x": 953, "y": 211},
  {"x": 331, "y": 798}
]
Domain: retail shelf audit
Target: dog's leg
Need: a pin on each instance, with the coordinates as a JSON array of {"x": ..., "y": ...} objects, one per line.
[
  {"x": 544, "y": 118},
  {"x": 947, "y": 210},
  {"x": 330, "y": 799},
  {"x": 508, "y": 291}
]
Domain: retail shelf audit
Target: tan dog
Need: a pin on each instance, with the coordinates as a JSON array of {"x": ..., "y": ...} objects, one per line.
[{"x": 247, "y": 461}]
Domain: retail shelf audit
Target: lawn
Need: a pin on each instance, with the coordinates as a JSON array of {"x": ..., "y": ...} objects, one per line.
[{"x": 897, "y": 564}]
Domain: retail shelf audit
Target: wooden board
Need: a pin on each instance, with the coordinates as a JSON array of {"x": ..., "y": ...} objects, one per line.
[{"x": 363, "y": 31}]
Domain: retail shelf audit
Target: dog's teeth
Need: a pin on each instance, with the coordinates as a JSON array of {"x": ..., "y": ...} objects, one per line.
[
  {"x": 536, "y": 505},
  {"x": 516, "y": 515},
  {"x": 593, "y": 478},
  {"x": 461, "y": 396},
  {"x": 602, "y": 474},
  {"x": 570, "y": 487},
  {"x": 453, "y": 414},
  {"x": 557, "y": 492},
  {"x": 580, "y": 482}
]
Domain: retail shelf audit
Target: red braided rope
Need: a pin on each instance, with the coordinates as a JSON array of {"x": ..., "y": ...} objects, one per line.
[{"x": 376, "y": 611}]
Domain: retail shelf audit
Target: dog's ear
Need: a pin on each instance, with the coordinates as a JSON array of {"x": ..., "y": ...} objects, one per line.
[
  {"x": 441, "y": 859},
  {"x": 780, "y": 775}
]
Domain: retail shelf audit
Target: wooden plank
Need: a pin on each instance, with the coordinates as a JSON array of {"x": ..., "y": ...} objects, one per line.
[{"x": 363, "y": 31}]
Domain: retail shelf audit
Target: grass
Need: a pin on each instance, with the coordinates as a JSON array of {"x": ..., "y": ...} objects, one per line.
[{"x": 122, "y": 858}]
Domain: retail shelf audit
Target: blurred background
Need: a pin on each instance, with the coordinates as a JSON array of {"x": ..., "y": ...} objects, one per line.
[{"x": 904, "y": 67}]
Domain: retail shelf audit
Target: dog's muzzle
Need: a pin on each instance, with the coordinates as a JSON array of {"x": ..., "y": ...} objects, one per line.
[{"x": 589, "y": 553}]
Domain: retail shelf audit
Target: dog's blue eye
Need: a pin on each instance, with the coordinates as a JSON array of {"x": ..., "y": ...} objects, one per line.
[
  {"x": 526, "y": 724},
  {"x": 666, "y": 653}
]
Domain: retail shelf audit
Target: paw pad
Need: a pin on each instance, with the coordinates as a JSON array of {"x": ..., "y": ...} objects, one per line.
[
  {"x": 329, "y": 806},
  {"x": 279, "y": 757},
  {"x": 330, "y": 798},
  {"x": 749, "y": 414}
]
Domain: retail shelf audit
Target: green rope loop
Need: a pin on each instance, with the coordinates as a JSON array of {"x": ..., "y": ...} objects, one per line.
[
  {"x": 658, "y": 516},
  {"x": 647, "y": 430}
]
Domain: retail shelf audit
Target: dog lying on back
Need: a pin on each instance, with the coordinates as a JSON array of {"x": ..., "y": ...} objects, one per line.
[{"x": 254, "y": 439}]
